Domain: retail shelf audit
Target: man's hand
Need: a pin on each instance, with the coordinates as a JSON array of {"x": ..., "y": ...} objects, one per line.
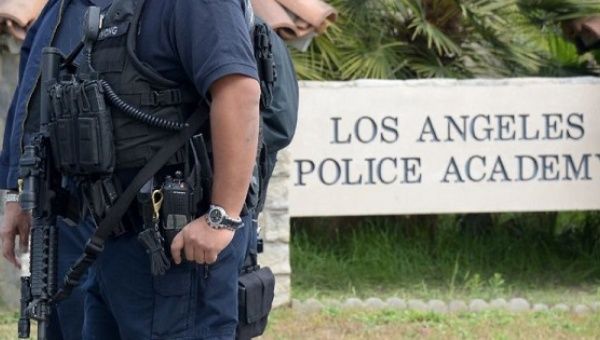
[
  {"x": 16, "y": 222},
  {"x": 200, "y": 242}
]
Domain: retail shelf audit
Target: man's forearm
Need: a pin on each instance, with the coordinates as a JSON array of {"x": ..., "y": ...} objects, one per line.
[{"x": 234, "y": 120}]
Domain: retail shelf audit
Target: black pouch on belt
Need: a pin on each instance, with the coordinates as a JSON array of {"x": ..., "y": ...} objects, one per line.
[{"x": 256, "y": 290}]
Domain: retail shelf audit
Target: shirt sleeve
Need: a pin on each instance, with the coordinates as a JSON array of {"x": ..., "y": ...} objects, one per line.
[
  {"x": 7, "y": 148},
  {"x": 213, "y": 40}
]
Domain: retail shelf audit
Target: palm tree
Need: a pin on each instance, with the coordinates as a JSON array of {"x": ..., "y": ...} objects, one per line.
[
  {"x": 400, "y": 39},
  {"x": 557, "y": 19}
]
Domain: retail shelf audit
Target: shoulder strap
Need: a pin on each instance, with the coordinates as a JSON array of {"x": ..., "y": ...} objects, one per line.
[{"x": 95, "y": 244}]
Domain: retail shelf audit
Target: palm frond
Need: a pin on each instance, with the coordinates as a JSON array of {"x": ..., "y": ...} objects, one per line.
[{"x": 399, "y": 39}]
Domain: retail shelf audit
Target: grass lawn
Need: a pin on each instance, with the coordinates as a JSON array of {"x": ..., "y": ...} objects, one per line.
[
  {"x": 332, "y": 323},
  {"x": 539, "y": 257},
  {"x": 336, "y": 324}
]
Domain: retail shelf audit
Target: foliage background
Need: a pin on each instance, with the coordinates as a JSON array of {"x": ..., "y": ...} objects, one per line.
[
  {"x": 483, "y": 254},
  {"x": 404, "y": 39}
]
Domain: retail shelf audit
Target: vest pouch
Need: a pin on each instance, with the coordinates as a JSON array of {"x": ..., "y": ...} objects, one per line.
[
  {"x": 81, "y": 130},
  {"x": 136, "y": 142},
  {"x": 95, "y": 132}
]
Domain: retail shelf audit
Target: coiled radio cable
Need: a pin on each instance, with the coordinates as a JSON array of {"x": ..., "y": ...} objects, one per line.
[{"x": 138, "y": 114}]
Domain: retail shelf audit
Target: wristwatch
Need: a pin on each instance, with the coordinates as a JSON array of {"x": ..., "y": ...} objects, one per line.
[
  {"x": 217, "y": 219},
  {"x": 11, "y": 197}
]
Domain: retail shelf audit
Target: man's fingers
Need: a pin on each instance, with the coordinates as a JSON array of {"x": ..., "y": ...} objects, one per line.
[
  {"x": 24, "y": 237},
  {"x": 199, "y": 256},
  {"x": 176, "y": 247},
  {"x": 211, "y": 257},
  {"x": 188, "y": 249},
  {"x": 8, "y": 250},
  {"x": 189, "y": 253}
]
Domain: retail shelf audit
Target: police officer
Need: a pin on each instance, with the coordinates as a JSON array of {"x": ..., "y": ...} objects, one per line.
[
  {"x": 58, "y": 25},
  {"x": 167, "y": 57},
  {"x": 204, "y": 44}
]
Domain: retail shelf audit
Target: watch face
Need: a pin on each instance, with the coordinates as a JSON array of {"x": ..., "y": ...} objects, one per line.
[{"x": 215, "y": 215}]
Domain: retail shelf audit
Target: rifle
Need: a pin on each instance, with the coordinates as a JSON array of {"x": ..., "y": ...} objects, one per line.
[{"x": 38, "y": 188}]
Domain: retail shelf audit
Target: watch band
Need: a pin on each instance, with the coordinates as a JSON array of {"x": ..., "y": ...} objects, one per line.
[
  {"x": 11, "y": 197},
  {"x": 217, "y": 218}
]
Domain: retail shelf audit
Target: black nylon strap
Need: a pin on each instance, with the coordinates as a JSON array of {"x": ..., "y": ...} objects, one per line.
[{"x": 95, "y": 244}]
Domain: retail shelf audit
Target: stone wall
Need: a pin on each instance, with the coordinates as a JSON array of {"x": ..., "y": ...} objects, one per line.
[{"x": 275, "y": 224}]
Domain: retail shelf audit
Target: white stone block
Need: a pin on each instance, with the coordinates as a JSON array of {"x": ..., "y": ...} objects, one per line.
[
  {"x": 457, "y": 306},
  {"x": 284, "y": 161},
  {"x": 582, "y": 309},
  {"x": 561, "y": 307},
  {"x": 417, "y": 305},
  {"x": 396, "y": 303},
  {"x": 277, "y": 257},
  {"x": 283, "y": 296},
  {"x": 437, "y": 306},
  {"x": 498, "y": 304},
  {"x": 518, "y": 305},
  {"x": 374, "y": 303},
  {"x": 276, "y": 227},
  {"x": 353, "y": 303},
  {"x": 478, "y": 305}
]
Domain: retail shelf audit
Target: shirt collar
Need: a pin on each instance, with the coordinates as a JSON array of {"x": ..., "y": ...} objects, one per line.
[{"x": 99, "y": 3}]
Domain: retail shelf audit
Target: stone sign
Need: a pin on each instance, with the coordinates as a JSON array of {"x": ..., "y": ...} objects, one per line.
[{"x": 446, "y": 146}]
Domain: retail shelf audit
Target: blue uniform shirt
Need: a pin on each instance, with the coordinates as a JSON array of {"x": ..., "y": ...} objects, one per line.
[
  {"x": 197, "y": 41},
  {"x": 193, "y": 41},
  {"x": 38, "y": 37}
]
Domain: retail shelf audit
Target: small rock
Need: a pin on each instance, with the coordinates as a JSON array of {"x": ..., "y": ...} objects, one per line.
[
  {"x": 396, "y": 303},
  {"x": 353, "y": 303},
  {"x": 312, "y": 305},
  {"x": 518, "y": 305},
  {"x": 437, "y": 306},
  {"x": 595, "y": 306},
  {"x": 457, "y": 306},
  {"x": 478, "y": 305},
  {"x": 582, "y": 309},
  {"x": 332, "y": 303},
  {"x": 498, "y": 304},
  {"x": 561, "y": 307},
  {"x": 540, "y": 307},
  {"x": 417, "y": 305},
  {"x": 374, "y": 303}
]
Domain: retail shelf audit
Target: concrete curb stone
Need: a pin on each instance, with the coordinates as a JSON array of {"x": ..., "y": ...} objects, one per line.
[
  {"x": 518, "y": 305},
  {"x": 478, "y": 305},
  {"x": 581, "y": 309},
  {"x": 561, "y": 307},
  {"x": 353, "y": 303},
  {"x": 374, "y": 303},
  {"x": 437, "y": 306},
  {"x": 417, "y": 305},
  {"x": 457, "y": 306},
  {"x": 313, "y": 305},
  {"x": 498, "y": 304},
  {"x": 396, "y": 303}
]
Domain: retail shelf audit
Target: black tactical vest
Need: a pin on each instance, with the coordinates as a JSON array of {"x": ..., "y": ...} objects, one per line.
[{"x": 140, "y": 86}]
